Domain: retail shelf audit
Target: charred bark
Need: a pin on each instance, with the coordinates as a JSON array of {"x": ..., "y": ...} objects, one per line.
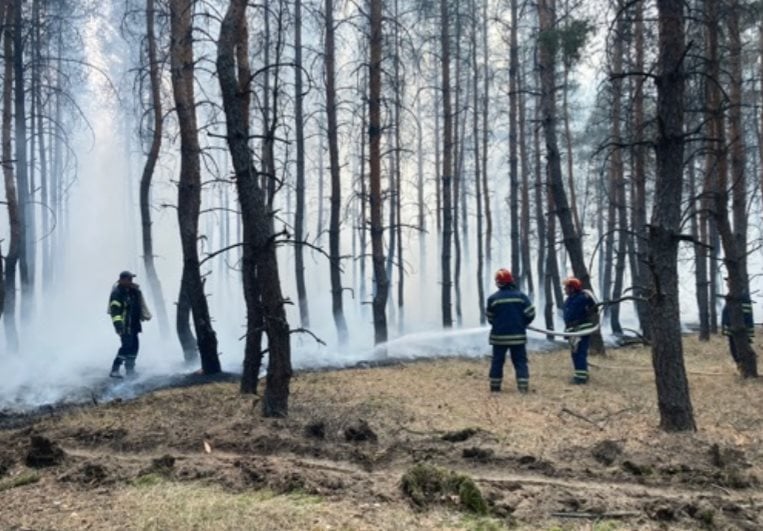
[
  {"x": 572, "y": 241},
  {"x": 189, "y": 186},
  {"x": 11, "y": 196},
  {"x": 148, "y": 171},
  {"x": 447, "y": 168},
  {"x": 262, "y": 285},
  {"x": 673, "y": 396},
  {"x": 299, "y": 213},
  {"x": 335, "y": 258},
  {"x": 374, "y": 165}
]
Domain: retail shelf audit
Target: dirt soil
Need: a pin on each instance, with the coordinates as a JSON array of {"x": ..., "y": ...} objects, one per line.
[{"x": 561, "y": 457}]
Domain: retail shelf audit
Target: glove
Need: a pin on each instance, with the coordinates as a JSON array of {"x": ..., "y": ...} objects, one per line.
[{"x": 574, "y": 342}]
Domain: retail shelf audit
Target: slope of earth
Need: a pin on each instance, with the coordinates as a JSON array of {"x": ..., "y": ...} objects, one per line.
[{"x": 562, "y": 457}]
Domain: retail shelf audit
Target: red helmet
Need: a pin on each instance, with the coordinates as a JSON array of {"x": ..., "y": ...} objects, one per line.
[
  {"x": 503, "y": 277},
  {"x": 573, "y": 283}
]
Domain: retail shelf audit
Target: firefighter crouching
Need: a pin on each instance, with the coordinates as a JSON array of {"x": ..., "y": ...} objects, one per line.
[
  {"x": 580, "y": 315},
  {"x": 509, "y": 311},
  {"x": 127, "y": 308}
]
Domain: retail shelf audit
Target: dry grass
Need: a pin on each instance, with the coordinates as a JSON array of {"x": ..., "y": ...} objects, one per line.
[
  {"x": 620, "y": 400},
  {"x": 409, "y": 407}
]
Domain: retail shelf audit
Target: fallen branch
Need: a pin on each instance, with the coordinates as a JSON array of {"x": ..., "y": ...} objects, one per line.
[
  {"x": 597, "y": 516},
  {"x": 581, "y": 417}
]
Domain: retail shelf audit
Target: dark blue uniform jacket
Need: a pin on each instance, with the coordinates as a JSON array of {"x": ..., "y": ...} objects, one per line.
[
  {"x": 509, "y": 311},
  {"x": 579, "y": 312}
]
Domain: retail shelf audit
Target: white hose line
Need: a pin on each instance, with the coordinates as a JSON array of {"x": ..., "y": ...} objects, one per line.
[{"x": 581, "y": 333}]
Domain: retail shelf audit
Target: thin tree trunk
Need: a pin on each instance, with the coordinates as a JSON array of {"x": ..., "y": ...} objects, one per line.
[
  {"x": 363, "y": 193},
  {"x": 11, "y": 194},
  {"x": 43, "y": 154},
  {"x": 524, "y": 215},
  {"x": 148, "y": 172},
  {"x": 673, "y": 396},
  {"x": 447, "y": 168},
  {"x": 737, "y": 144},
  {"x": 398, "y": 198},
  {"x": 456, "y": 183},
  {"x": 698, "y": 233},
  {"x": 641, "y": 274},
  {"x": 477, "y": 169},
  {"x": 572, "y": 240},
  {"x": 262, "y": 284},
  {"x": 618, "y": 180},
  {"x": 485, "y": 137},
  {"x": 337, "y": 292},
  {"x": 189, "y": 186},
  {"x": 568, "y": 142},
  {"x": 516, "y": 242},
  {"x": 734, "y": 244},
  {"x": 26, "y": 213},
  {"x": 299, "y": 214},
  {"x": 540, "y": 212},
  {"x": 760, "y": 90},
  {"x": 374, "y": 133}
]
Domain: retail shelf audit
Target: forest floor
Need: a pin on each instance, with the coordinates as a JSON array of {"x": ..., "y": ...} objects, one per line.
[{"x": 561, "y": 457}]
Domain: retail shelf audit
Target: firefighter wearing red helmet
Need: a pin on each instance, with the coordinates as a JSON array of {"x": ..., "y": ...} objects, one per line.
[
  {"x": 509, "y": 311},
  {"x": 580, "y": 314}
]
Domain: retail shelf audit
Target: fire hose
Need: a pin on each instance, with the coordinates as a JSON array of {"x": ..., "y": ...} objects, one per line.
[{"x": 580, "y": 333}]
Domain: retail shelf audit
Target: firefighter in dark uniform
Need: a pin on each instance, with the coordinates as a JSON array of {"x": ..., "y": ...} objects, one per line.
[
  {"x": 127, "y": 309},
  {"x": 749, "y": 324},
  {"x": 580, "y": 315},
  {"x": 509, "y": 311}
]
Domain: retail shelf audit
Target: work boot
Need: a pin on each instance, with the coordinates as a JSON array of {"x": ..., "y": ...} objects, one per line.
[
  {"x": 495, "y": 385},
  {"x": 578, "y": 381},
  {"x": 523, "y": 389},
  {"x": 115, "y": 374}
]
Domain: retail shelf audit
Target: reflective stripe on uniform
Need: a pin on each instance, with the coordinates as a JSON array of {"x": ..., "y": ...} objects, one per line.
[
  {"x": 118, "y": 319},
  {"x": 116, "y": 303},
  {"x": 530, "y": 310},
  {"x": 514, "y": 339}
]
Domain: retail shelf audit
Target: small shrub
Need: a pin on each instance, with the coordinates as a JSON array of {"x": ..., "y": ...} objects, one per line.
[{"x": 427, "y": 484}]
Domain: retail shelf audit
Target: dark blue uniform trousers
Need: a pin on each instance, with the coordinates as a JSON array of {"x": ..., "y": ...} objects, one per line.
[
  {"x": 580, "y": 359},
  {"x": 127, "y": 352},
  {"x": 518, "y": 359}
]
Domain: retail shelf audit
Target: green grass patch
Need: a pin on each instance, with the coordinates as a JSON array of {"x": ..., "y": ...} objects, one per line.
[
  {"x": 27, "y": 478},
  {"x": 427, "y": 484}
]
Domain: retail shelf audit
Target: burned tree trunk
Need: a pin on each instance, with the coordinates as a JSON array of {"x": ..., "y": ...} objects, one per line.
[
  {"x": 262, "y": 284},
  {"x": 618, "y": 180},
  {"x": 667, "y": 351},
  {"x": 524, "y": 215},
  {"x": 485, "y": 137},
  {"x": 374, "y": 165},
  {"x": 299, "y": 213},
  {"x": 733, "y": 238},
  {"x": 640, "y": 274},
  {"x": 337, "y": 292},
  {"x": 447, "y": 168},
  {"x": 516, "y": 243},
  {"x": 148, "y": 172},
  {"x": 26, "y": 216},
  {"x": 11, "y": 196},
  {"x": 547, "y": 65},
  {"x": 189, "y": 186},
  {"x": 477, "y": 168}
]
